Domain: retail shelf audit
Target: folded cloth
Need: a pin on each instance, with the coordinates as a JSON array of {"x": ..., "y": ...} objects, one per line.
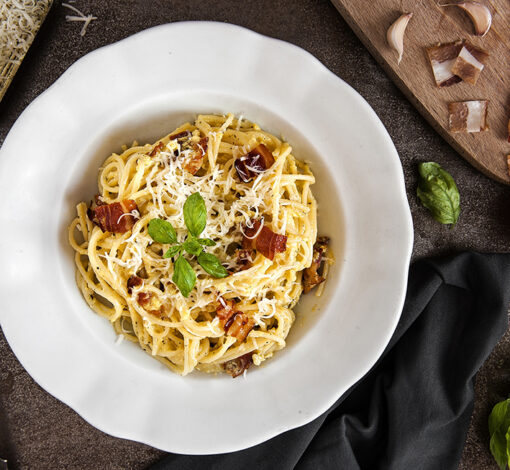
[{"x": 412, "y": 410}]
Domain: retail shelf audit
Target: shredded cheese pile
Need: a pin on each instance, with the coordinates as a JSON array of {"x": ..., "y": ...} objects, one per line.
[{"x": 19, "y": 22}]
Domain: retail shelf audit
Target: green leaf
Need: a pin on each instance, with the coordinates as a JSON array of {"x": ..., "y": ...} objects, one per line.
[
  {"x": 192, "y": 247},
  {"x": 212, "y": 265},
  {"x": 172, "y": 251},
  {"x": 195, "y": 214},
  {"x": 206, "y": 241},
  {"x": 438, "y": 193},
  {"x": 162, "y": 231},
  {"x": 184, "y": 277},
  {"x": 499, "y": 426}
]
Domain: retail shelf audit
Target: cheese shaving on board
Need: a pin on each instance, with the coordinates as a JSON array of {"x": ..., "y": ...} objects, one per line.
[
  {"x": 224, "y": 324},
  {"x": 19, "y": 22}
]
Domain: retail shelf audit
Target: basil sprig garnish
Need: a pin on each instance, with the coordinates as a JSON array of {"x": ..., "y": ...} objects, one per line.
[
  {"x": 439, "y": 193},
  {"x": 499, "y": 430},
  {"x": 195, "y": 218}
]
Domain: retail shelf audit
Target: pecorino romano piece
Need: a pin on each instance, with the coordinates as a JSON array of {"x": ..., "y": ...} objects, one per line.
[
  {"x": 256, "y": 161},
  {"x": 311, "y": 277},
  {"x": 234, "y": 322},
  {"x": 442, "y": 57},
  {"x": 116, "y": 217},
  {"x": 469, "y": 63},
  {"x": 264, "y": 240},
  {"x": 237, "y": 366},
  {"x": 468, "y": 116}
]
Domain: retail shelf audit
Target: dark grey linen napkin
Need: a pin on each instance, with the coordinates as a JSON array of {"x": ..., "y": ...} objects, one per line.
[{"x": 412, "y": 410}]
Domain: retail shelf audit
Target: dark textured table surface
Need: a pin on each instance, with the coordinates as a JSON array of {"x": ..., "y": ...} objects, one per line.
[{"x": 39, "y": 432}]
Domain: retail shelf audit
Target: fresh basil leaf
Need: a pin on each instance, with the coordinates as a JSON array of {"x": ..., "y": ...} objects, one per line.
[
  {"x": 162, "y": 231},
  {"x": 206, "y": 241},
  {"x": 172, "y": 251},
  {"x": 195, "y": 214},
  {"x": 184, "y": 277},
  {"x": 438, "y": 193},
  {"x": 192, "y": 246},
  {"x": 499, "y": 427},
  {"x": 212, "y": 265}
]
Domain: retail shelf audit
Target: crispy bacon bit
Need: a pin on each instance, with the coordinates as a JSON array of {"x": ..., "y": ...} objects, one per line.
[
  {"x": 157, "y": 148},
  {"x": 508, "y": 163},
  {"x": 311, "y": 277},
  {"x": 468, "y": 116},
  {"x": 150, "y": 303},
  {"x": 99, "y": 200},
  {"x": 194, "y": 162},
  {"x": 234, "y": 322},
  {"x": 143, "y": 298},
  {"x": 263, "y": 240},
  {"x": 256, "y": 161},
  {"x": 116, "y": 217},
  {"x": 133, "y": 281},
  {"x": 469, "y": 63},
  {"x": 239, "y": 326},
  {"x": 180, "y": 135},
  {"x": 237, "y": 366},
  {"x": 442, "y": 57},
  {"x": 245, "y": 259},
  {"x": 225, "y": 310}
]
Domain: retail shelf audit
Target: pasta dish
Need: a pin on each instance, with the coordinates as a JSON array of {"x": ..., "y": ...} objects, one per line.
[{"x": 199, "y": 246}]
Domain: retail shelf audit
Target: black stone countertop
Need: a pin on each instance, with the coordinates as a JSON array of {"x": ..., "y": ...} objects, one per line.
[{"x": 39, "y": 432}]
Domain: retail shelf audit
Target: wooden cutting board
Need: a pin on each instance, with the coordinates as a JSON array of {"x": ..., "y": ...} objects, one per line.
[{"x": 429, "y": 25}]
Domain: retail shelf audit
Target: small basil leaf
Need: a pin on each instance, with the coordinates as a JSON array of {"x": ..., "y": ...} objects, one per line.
[
  {"x": 162, "y": 231},
  {"x": 438, "y": 193},
  {"x": 195, "y": 214},
  {"x": 206, "y": 241},
  {"x": 212, "y": 265},
  {"x": 499, "y": 425},
  {"x": 192, "y": 247},
  {"x": 172, "y": 251},
  {"x": 184, "y": 277}
]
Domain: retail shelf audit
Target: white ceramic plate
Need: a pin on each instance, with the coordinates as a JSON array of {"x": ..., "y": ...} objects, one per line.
[{"x": 141, "y": 88}]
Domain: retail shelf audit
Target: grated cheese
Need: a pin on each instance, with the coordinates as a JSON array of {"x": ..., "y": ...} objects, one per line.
[
  {"x": 19, "y": 23},
  {"x": 86, "y": 19}
]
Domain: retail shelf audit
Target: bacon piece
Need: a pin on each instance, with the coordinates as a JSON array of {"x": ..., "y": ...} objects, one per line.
[
  {"x": 254, "y": 162},
  {"x": 99, "y": 200},
  {"x": 180, "y": 135},
  {"x": 508, "y": 163},
  {"x": 239, "y": 326},
  {"x": 468, "y": 116},
  {"x": 266, "y": 241},
  {"x": 442, "y": 57},
  {"x": 194, "y": 162},
  {"x": 225, "y": 310},
  {"x": 311, "y": 277},
  {"x": 143, "y": 298},
  {"x": 234, "y": 322},
  {"x": 133, "y": 281},
  {"x": 469, "y": 63},
  {"x": 237, "y": 366},
  {"x": 150, "y": 303},
  {"x": 245, "y": 259},
  {"x": 157, "y": 148},
  {"x": 112, "y": 218}
]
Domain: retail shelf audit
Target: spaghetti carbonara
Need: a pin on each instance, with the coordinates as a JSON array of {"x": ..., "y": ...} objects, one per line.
[{"x": 262, "y": 230}]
